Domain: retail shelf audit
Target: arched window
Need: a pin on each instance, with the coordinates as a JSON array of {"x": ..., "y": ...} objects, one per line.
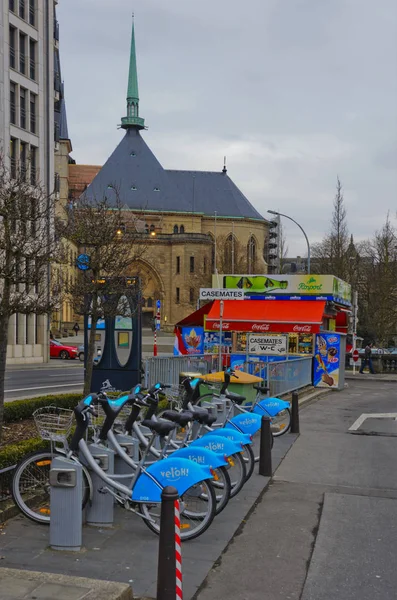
[
  {"x": 152, "y": 228},
  {"x": 176, "y": 230},
  {"x": 251, "y": 254},
  {"x": 182, "y": 229},
  {"x": 150, "y": 302},
  {"x": 229, "y": 258}
]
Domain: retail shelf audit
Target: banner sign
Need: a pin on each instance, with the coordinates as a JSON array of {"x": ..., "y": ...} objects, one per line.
[
  {"x": 193, "y": 339},
  {"x": 211, "y": 342},
  {"x": 214, "y": 325},
  {"x": 220, "y": 294},
  {"x": 300, "y": 285},
  {"x": 276, "y": 345},
  {"x": 326, "y": 360}
]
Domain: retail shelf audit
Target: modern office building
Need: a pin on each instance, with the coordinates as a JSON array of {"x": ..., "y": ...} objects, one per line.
[{"x": 30, "y": 89}]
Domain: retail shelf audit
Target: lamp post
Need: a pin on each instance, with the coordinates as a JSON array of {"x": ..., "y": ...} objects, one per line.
[{"x": 274, "y": 212}]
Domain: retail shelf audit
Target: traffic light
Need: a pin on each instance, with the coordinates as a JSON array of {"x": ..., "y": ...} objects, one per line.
[{"x": 273, "y": 252}]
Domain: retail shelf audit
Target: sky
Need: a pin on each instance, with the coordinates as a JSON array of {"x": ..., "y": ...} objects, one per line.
[{"x": 294, "y": 93}]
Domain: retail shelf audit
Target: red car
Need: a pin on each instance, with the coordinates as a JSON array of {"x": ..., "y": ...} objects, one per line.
[{"x": 58, "y": 350}]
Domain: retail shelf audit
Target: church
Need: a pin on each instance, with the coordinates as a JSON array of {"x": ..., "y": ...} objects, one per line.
[{"x": 197, "y": 222}]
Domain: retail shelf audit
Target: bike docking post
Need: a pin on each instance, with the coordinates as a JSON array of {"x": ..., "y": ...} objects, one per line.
[
  {"x": 131, "y": 447},
  {"x": 66, "y": 498},
  {"x": 265, "y": 452},
  {"x": 169, "y": 574},
  {"x": 295, "y": 413},
  {"x": 100, "y": 510}
]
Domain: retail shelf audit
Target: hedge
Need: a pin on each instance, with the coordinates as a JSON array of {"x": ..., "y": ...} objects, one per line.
[
  {"x": 23, "y": 409},
  {"x": 13, "y": 453}
]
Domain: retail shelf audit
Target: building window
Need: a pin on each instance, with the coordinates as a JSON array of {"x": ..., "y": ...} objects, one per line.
[
  {"x": 192, "y": 264},
  {"x": 22, "y": 9},
  {"x": 13, "y": 157},
  {"x": 32, "y": 63},
  {"x": 33, "y": 104},
  {"x": 13, "y": 109},
  {"x": 12, "y": 47},
  {"x": 32, "y": 13},
  {"x": 178, "y": 264},
  {"x": 251, "y": 254},
  {"x": 150, "y": 303},
  {"x": 11, "y": 5},
  {"x": 191, "y": 295},
  {"x": 22, "y": 53},
  {"x": 33, "y": 165},
  {"x": 178, "y": 298},
  {"x": 182, "y": 229},
  {"x": 23, "y": 160},
  {"x": 22, "y": 107},
  {"x": 176, "y": 230}
]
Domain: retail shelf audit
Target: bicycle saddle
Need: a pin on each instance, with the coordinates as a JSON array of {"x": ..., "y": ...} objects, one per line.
[
  {"x": 182, "y": 418},
  {"x": 160, "y": 427},
  {"x": 202, "y": 416},
  {"x": 235, "y": 397},
  {"x": 261, "y": 388}
]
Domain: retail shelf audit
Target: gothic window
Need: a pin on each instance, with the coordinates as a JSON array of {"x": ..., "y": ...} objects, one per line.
[
  {"x": 182, "y": 229},
  {"x": 251, "y": 254},
  {"x": 176, "y": 230}
]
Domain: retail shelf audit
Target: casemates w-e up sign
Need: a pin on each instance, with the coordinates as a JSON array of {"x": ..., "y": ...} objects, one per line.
[{"x": 267, "y": 344}]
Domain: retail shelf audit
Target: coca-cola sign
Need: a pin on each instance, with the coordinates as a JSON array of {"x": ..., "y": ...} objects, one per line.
[
  {"x": 302, "y": 328},
  {"x": 260, "y": 327},
  {"x": 225, "y": 326}
]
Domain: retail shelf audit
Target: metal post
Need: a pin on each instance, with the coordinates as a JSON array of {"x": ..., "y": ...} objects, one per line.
[
  {"x": 169, "y": 574},
  {"x": 265, "y": 452},
  {"x": 155, "y": 344},
  {"x": 220, "y": 333},
  {"x": 295, "y": 413},
  {"x": 355, "y": 310}
]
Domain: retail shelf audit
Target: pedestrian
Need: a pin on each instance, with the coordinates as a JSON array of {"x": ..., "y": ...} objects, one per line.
[
  {"x": 76, "y": 328},
  {"x": 367, "y": 359}
]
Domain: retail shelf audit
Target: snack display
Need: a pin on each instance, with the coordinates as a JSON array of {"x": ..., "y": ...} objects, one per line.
[{"x": 326, "y": 360}]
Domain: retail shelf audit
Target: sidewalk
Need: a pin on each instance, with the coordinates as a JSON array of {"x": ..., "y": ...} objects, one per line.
[
  {"x": 325, "y": 528},
  {"x": 387, "y": 377}
]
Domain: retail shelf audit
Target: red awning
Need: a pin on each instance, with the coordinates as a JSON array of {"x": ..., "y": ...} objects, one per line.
[{"x": 262, "y": 315}]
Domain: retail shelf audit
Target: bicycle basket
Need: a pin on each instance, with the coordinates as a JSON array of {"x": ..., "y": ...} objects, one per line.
[{"x": 53, "y": 423}]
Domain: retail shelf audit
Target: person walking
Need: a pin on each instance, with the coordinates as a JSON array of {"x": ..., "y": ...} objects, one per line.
[
  {"x": 367, "y": 359},
  {"x": 76, "y": 329}
]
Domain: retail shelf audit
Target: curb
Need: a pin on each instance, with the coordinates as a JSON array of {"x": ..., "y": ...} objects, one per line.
[{"x": 384, "y": 378}]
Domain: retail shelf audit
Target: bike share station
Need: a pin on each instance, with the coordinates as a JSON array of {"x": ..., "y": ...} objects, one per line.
[
  {"x": 260, "y": 324},
  {"x": 117, "y": 366}
]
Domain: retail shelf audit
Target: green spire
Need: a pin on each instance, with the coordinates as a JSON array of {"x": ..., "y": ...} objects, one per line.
[{"x": 132, "y": 119}]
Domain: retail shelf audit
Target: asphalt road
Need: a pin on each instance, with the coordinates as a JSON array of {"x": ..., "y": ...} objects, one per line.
[{"x": 60, "y": 376}]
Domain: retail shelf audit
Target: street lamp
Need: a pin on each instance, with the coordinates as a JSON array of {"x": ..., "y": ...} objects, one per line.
[{"x": 274, "y": 212}]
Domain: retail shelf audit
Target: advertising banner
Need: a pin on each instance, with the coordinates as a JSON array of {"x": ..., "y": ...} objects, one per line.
[
  {"x": 211, "y": 342},
  {"x": 193, "y": 339},
  {"x": 326, "y": 360},
  {"x": 299, "y": 285},
  {"x": 268, "y": 344},
  {"x": 214, "y": 325}
]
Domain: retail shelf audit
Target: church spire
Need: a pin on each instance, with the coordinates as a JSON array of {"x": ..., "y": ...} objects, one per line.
[{"x": 132, "y": 119}]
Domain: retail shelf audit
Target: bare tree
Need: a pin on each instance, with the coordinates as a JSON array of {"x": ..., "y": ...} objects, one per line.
[
  {"x": 113, "y": 248},
  {"x": 330, "y": 256},
  {"x": 27, "y": 248}
]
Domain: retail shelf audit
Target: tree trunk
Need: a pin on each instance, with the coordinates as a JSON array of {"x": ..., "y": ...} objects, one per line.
[
  {"x": 4, "y": 318},
  {"x": 91, "y": 345}
]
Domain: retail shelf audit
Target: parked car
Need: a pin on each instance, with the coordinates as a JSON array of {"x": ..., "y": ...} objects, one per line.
[
  {"x": 80, "y": 350},
  {"x": 59, "y": 350}
]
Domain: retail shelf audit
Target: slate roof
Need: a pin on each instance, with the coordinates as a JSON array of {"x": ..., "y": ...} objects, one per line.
[{"x": 133, "y": 165}]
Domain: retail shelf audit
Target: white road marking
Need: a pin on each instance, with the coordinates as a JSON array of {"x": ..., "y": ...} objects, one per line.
[
  {"x": 44, "y": 387},
  {"x": 357, "y": 424},
  {"x": 74, "y": 375}
]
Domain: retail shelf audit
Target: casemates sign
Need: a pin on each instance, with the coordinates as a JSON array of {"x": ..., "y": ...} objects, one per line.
[{"x": 275, "y": 345}]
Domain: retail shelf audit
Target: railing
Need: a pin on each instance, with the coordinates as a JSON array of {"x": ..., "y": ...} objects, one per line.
[
  {"x": 167, "y": 369},
  {"x": 284, "y": 376}
]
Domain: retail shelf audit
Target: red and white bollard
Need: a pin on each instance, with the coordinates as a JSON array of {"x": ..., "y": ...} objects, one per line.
[
  {"x": 178, "y": 552},
  {"x": 169, "y": 575},
  {"x": 155, "y": 344}
]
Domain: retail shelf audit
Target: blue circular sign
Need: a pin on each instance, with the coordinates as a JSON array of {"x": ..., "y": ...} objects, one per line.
[
  {"x": 83, "y": 262},
  {"x": 158, "y": 304}
]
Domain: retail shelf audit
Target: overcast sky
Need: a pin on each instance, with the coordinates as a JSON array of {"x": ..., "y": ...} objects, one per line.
[{"x": 293, "y": 92}]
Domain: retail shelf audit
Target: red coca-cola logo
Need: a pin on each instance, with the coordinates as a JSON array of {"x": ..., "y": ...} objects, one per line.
[
  {"x": 302, "y": 328},
  {"x": 262, "y": 327}
]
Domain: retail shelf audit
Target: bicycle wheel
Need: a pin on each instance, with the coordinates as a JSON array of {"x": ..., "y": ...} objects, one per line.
[
  {"x": 249, "y": 460},
  {"x": 197, "y": 511},
  {"x": 222, "y": 488},
  {"x": 31, "y": 486},
  {"x": 237, "y": 473},
  {"x": 281, "y": 422}
]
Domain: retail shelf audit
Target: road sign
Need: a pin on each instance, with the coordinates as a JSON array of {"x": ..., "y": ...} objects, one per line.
[
  {"x": 275, "y": 345},
  {"x": 355, "y": 355},
  {"x": 220, "y": 294},
  {"x": 83, "y": 262},
  {"x": 158, "y": 304}
]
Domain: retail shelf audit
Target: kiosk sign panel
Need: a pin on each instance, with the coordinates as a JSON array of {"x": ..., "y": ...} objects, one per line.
[{"x": 275, "y": 345}]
